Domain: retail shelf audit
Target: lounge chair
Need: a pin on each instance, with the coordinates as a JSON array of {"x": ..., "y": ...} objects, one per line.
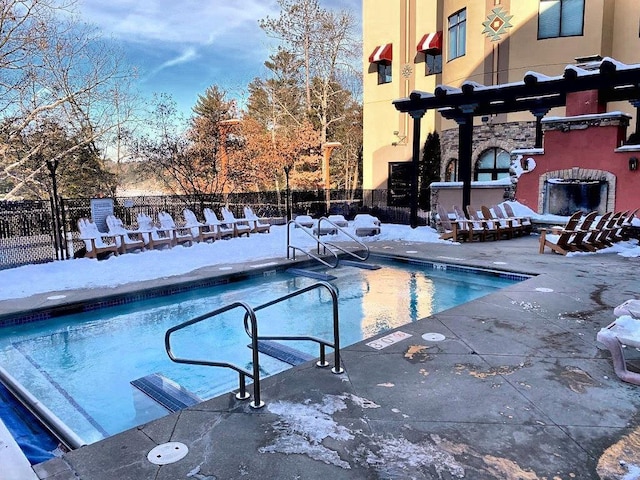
[
  {"x": 476, "y": 229},
  {"x": 303, "y": 221},
  {"x": 240, "y": 225},
  {"x": 583, "y": 229},
  {"x": 126, "y": 240},
  {"x": 491, "y": 228},
  {"x": 95, "y": 242},
  {"x": 254, "y": 222},
  {"x": 223, "y": 230},
  {"x": 513, "y": 222},
  {"x": 199, "y": 231},
  {"x": 179, "y": 235},
  {"x": 455, "y": 230},
  {"x": 339, "y": 220},
  {"x": 527, "y": 224},
  {"x": 503, "y": 225},
  {"x": 625, "y": 229},
  {"x": 591, "y": 240},
  {"x": 152, "y": 235},
  {"x": 560, "y": 241},
  {"x": 366, "y": 225}
]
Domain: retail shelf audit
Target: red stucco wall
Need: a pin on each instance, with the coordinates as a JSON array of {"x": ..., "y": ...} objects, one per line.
[{"x": 592, "y": 148}]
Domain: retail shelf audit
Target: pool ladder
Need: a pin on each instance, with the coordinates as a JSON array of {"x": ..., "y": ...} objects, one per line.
[
  {"x": 326, "y": 245},
  {"x": 251, "y": 327}
]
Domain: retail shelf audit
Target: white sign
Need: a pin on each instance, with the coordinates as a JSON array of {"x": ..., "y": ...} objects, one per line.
[
  {"x": 101, "y": 208},
  {"x": 387, "y": 340}
]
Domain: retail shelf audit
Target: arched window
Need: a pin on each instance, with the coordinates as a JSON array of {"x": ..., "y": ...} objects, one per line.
[
  {"x": 451, "y": 172},
  {"x": 493, "y": 164}
]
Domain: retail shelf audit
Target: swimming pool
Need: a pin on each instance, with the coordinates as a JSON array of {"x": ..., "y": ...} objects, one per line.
[{"x": 80, "y": 366}]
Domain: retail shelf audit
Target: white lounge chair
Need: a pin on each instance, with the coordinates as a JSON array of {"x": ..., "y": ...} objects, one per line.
[
  {"x": 221, "y": 229},
  {"x": 304, "y": 221},
  {"x": 240, "y": 225},
  {"x": 339, "y": 220},
  {"x": 254, "y": 222},
  {"x": 200, "y": 231},
  {"x": 152, "y": 235},
  {"x": 96, "y": 242},
  {"x": 366, "y": 225},
  {"x": 126, "y": 240},
  {"x": 179, "y": 235}
]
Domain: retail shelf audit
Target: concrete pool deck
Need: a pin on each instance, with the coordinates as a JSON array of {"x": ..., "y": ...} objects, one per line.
[{"x": 518, "y": 389}]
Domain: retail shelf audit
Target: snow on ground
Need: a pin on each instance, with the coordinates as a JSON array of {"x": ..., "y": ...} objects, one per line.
[{"x": 59, "y": 276}]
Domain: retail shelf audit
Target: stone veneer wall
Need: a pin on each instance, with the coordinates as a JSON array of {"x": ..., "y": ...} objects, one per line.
[
  {"x": 507, "y": 136},
  {"x": 577, "y": 173}
]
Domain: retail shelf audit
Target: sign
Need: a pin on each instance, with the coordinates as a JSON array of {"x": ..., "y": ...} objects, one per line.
[
  {"x": 101, "y": 208},
  {"x": 387, "y": 340}
]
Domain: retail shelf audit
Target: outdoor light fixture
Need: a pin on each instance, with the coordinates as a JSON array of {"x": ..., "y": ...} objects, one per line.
[
  {"x": 633, "y": 164},
  {"x": 402, "y": 139}
]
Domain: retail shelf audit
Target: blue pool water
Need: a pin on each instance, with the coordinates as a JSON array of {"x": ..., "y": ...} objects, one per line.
[{"x": 80, "y": 366}]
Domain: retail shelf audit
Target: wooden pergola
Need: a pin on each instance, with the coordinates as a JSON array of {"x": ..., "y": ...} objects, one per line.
[{"x": 536, "y": 93}]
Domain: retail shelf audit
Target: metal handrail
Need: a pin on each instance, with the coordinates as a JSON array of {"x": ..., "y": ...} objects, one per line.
[
  {"x": 325, "y": 245},
  {"x": 316, "y": 238},
  {"x": 255, "y": 375},
  {"x": 323, "y": 343},
  {"x": 366, "y": 249}
]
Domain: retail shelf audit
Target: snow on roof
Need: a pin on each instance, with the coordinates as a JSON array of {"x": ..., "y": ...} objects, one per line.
[{"x": 590, "y": 116}]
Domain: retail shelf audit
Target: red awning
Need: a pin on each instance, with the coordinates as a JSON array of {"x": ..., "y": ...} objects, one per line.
[
  {"x": 383, "y": 53},
  {"x": 431, "y": 41}
]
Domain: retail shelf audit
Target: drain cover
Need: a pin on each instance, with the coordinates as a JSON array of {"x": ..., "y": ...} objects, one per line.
[
  {"x": 544, "y": 289},
  {"x": 167, "y": 453},
  {"x": 433, "y": 337}
]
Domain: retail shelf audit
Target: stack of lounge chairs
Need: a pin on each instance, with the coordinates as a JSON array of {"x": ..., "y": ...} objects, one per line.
[{"x": 587, "y": 233}]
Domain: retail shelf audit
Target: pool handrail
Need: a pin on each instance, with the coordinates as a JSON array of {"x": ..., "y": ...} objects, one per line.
[
  {"x": 254, "y": 375},
  {"x": 325, "y": 245},
  {"x": 323, "y": 343}
]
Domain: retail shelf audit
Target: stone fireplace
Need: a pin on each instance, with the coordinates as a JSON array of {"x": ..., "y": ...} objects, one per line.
[{"x": 562, "y": 192}]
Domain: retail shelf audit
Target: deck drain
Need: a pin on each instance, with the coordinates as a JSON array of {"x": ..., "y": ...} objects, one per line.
[
  {"x": 412, "y": 251},
  {"x": 225, "y": 268},
  {"x": 167, "y": 453},
  {"x": 499, "y": 263},
  {"x": 544, "y": 289},
  {"x": 433, "y": 337}
]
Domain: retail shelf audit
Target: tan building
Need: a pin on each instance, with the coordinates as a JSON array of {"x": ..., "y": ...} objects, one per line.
[{"x": 419, "y": 44}]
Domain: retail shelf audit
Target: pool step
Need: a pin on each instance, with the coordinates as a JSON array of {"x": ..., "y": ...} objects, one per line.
[
  {"x": 285, "y": 354},
  {"x": 166, "y": 392},
  {"x": 311, "y": 274},
  {"x": 366, "y": 266}
]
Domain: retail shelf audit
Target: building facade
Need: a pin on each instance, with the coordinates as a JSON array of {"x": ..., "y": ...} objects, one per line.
[{"x": 420, "y": 44}]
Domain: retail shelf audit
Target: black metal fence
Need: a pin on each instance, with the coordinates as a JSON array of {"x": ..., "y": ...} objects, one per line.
[{"x": 32, "y": 231}]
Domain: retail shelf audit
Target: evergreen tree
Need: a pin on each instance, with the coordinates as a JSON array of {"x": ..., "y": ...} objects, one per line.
[{"x": 428, "y": 169}]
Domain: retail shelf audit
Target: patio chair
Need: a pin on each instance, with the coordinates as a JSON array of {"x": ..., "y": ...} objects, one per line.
[
  {"x": 502, "y": 225},
  {"x": 240, "y": 225},
  {"x": 222, "y": 230},
  {"x": 491, "y": 228},
  {"x": 583, "y": 229},
  {"x": 303, "y": 221},
  {"x": 476, "y": 230},
  {"x": 625, "y": 229},
  {"x": 560, "y": 241},
  {"x": 451, "y": 229},
  {"x": 591, "y": 240},
  {"x": 199, "y": 231},
  {"x": 95, "y": 242},
  {"x": 606, "y": 236},
  {"x": 126, "y": 240},
  {"x": 525, "y": 221},
  {"x": 366, "y": 225},
  {"x": 255, "y": 223},
  {"x": 152, "y": 235},
  {"x": 514, "y": 223},
  {"x": 180, "y": 235},
  {"x": 339, "y": 220}
]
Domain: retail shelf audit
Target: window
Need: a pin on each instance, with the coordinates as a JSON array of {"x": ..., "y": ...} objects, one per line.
[
  {"x": 457, "y": 34},
  {"x": 493, "y": 164},
  {"x": 432, "y": 63},
  {"x": 384, "y": 73},
  {"x": 560, "y": 18},
  {"x": 399, "y": 184},
  {"x": 451, "y": 172}
]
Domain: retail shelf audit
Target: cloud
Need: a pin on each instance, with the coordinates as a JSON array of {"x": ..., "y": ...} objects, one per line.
[{"x": 186, "y": 56}]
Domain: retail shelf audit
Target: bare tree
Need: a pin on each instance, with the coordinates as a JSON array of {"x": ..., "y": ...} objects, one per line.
[{"x": 53, "y": 70}]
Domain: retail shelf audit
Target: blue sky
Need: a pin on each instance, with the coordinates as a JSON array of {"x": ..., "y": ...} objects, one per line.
[{"x": 183, "y": 47}]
